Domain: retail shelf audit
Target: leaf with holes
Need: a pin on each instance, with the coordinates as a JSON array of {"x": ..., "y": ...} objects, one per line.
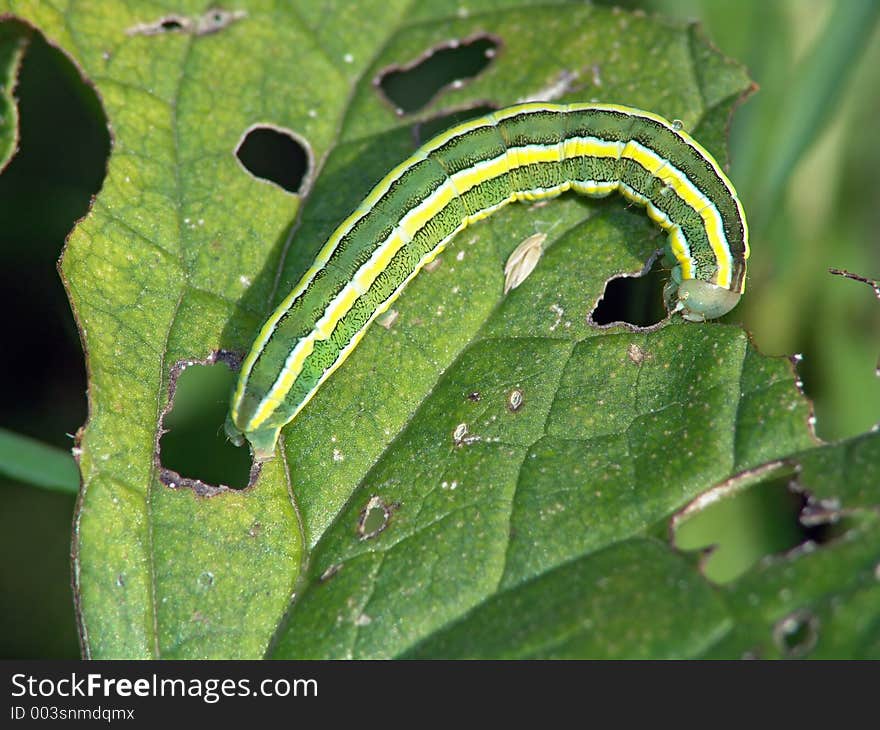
[
  {"x": 638, "y": 598},
  {"x": 476, "y": 451}
]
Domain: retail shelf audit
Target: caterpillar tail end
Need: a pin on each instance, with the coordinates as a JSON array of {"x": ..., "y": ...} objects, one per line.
[{"x": 263, "y": 441}]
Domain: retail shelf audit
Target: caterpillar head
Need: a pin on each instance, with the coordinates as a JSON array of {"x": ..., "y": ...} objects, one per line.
[{"x": 699, "y": 300}]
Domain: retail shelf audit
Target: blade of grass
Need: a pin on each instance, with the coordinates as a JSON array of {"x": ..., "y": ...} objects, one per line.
[
  {"x": 814, "y": 94},
  {"x": 31, "y": 462}
]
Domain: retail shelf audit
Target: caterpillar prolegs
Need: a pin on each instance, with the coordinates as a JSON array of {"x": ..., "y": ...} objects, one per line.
[{"x": 525, "y": 152}]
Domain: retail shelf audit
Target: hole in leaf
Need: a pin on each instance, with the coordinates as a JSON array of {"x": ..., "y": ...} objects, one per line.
[
  {"x": 212, "y": 21},
  {"x": 410, "y": 87},
  {"x": 763, "y": 519},
  {"x": 635, "y": 300},
  {"x": 373, "y": 522},
  {"x": 821, "y": 520},
  {"x": 165, "y": 24},
  {"x": 796, "y": 634},
  {"x": 194, "y": 445},
  {"x": 275, "y": 155},
  {"x": 423, "y": 131},
  {"x": 765, "y": 511},
  {"x": 374, "y": 518}
]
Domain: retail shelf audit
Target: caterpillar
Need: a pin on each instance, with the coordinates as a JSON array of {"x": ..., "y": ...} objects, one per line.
[{"x": 524, "y": 152}]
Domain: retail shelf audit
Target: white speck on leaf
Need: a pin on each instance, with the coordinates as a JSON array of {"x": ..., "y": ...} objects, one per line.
[{"x": 559, "y": 312}]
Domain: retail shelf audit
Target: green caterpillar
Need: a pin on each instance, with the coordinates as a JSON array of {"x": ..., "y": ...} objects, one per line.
[{"x": 524, "y": 152}]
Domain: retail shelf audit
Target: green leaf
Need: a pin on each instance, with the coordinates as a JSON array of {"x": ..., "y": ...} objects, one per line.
[
  {"x": 13, "y": 41},
  {"x": 32, "y": 462},
  {"x": 640, "y": 599},
  {"x": 616, "y": 432},
  {"x": 819, "y": 601},
  {"x": 411, "y": 491},
  {"x": 623, "y": 601}
]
